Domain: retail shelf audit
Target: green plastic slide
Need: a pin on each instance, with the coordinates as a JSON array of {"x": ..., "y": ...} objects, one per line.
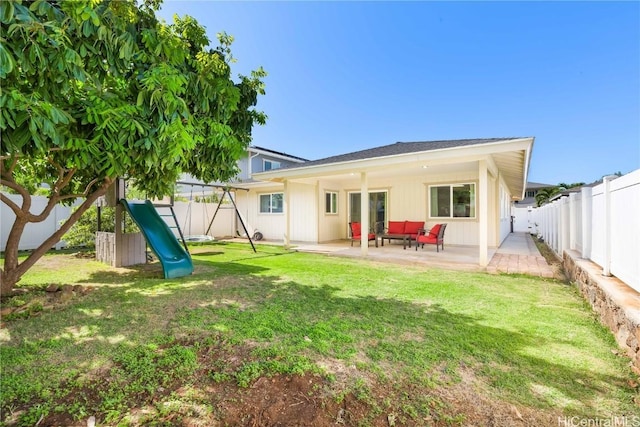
[{"x": 176, "y": 262}]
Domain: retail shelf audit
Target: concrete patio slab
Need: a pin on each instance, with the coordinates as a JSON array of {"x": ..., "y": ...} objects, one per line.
[{"x": 518, "y": 254}]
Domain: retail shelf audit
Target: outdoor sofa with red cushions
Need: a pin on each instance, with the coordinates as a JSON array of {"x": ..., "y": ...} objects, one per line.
[{"x": 404, "y": 230}]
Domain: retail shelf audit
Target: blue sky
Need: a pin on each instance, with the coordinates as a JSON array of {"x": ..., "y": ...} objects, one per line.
[{"x": 345, "y": 76}]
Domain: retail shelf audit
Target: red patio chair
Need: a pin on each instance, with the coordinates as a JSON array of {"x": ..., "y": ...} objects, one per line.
[
  {"x": 435, "y": 236},
  {"x": 356, "y": 232}
]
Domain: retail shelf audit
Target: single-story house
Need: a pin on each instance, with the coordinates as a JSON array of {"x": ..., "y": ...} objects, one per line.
[{"x": 470, "y": 184}]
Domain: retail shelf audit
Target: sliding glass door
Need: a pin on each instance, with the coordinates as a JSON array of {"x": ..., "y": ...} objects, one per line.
[{"x": 377, "y": 208}]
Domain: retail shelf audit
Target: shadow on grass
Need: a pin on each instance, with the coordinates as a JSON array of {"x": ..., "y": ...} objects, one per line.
[{"x": 235, "y": 303}]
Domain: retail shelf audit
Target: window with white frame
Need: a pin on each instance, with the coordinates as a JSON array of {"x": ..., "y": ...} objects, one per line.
[
  {"x": 452, "y": 201},
  {"x": 271, "y": 203},
  {"x": 330, "y": 202},
  {"x": 270, "y": 165}
]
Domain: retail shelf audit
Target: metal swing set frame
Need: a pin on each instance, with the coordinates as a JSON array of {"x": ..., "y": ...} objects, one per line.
[{"x": 225, "y": 191}]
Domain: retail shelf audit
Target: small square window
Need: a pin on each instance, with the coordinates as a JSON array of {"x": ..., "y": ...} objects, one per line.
[
  {"x": 271, "y": 203},
  {"x": 270, "y": 165},
  {"x": 331, "y": 202}
]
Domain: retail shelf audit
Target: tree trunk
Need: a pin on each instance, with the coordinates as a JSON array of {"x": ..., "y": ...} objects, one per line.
[{"x": 13, "y": 271}]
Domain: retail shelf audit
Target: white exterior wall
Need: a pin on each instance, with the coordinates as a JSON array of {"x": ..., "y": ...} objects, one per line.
[
  {"x": 459, "y": 231},
  {"x": 503, "y": 201},
  {"x": 331, "y": 226},
  {"x": 271, "y": 225},
  {"x": 407, "y": 200},
  {"x": 303, "y": 214}
]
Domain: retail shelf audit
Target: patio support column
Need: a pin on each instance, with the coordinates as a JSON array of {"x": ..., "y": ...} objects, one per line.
[
  {"x": 483, "y": 213},
  {"x": 287, "y": 215},
  {"x": 364, "y": 214}
]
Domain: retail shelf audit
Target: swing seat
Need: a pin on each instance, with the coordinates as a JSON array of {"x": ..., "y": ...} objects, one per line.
[{"x": 198, "y": 238}]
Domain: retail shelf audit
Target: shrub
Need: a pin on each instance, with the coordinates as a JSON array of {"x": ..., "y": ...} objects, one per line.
[{"x": 83, "y": 232}]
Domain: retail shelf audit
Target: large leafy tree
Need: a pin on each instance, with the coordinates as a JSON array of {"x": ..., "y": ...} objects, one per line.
[{"x": 97, "y": 89}]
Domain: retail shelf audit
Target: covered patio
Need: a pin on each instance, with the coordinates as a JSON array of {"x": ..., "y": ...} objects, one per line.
[
  {"x": 468, "y": 184},
  {"x": 517, "y": 254}
]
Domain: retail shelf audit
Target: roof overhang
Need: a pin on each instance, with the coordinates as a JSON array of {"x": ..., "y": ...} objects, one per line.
[
  {"x": 275, "y": 155},
  {"x": 510, "y": 158}
]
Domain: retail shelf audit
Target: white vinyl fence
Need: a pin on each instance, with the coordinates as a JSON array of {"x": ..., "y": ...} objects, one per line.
[
  {"x": 602, "y": 223},
  {"x": 193, "y": 219}
]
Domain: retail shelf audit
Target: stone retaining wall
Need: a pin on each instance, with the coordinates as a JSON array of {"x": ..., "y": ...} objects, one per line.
[{"x": 617, "y": 304}]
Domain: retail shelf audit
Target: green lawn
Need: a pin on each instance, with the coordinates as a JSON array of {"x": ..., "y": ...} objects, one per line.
[{"x": 411, "y": 345}]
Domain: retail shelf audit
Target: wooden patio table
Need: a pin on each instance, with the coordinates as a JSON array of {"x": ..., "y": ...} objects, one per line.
[{"x": 405, "y": 238}]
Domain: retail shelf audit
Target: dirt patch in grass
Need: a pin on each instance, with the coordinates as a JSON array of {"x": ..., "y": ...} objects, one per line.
[
  {"x": 295, "y": 400},
  {"x": 211, "y": 398}
]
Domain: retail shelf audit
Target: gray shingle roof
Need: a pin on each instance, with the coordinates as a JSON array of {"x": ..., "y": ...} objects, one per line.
[{"x": 400, "y": 148}]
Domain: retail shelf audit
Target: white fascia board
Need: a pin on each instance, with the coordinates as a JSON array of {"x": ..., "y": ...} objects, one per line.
[
  {"x": 274, "y": 155},
  {"x": 257, "y": 184},
  {"x": 527, "y": 164},
  {"x": 464, "y": 153}
]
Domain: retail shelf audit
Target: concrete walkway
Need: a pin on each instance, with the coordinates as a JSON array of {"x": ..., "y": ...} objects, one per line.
[{"x": 519, "y": 254}]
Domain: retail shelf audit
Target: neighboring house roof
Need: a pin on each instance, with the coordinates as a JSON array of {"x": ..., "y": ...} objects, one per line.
[
  {"x": 578, "y": 189},
  {"x": 266, "y": 151},
  {"x": 511, "y": 156},
  {"x": 538, "y": 186}
]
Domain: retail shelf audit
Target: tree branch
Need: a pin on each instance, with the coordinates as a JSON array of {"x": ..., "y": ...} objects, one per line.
[
  {"x": 14, "y": 162},
  {"x": 7, "y": 180},
  {"x": 7, "y": 201},
  {"x": 24, "y": 266}
]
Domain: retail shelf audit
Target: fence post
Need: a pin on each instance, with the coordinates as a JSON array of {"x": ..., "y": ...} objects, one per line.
[
  {"x": 606, "y": 267},
  {"x": 547, "y": 225},
  {"x": 587, "y": 207},
  {"x": 556, "y": 226},
  {"x": 563, "y": 232},
  {"x": 572, "y": 220}
]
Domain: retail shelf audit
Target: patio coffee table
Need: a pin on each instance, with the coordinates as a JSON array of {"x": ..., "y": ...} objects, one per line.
[{"x": 405, "y": 238}]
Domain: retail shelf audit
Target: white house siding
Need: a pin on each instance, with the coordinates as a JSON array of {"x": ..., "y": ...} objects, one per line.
[
  {"x": 243, "y": 164},
  {"x": 271, "y": 225},
  {"x": 407, "y": 200},
  {"x": 303, "y": 213},
  {"x": 504, "y": 211},
  {"x": 459, "y": 231},
  {"x": 332, "y": 226}
]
